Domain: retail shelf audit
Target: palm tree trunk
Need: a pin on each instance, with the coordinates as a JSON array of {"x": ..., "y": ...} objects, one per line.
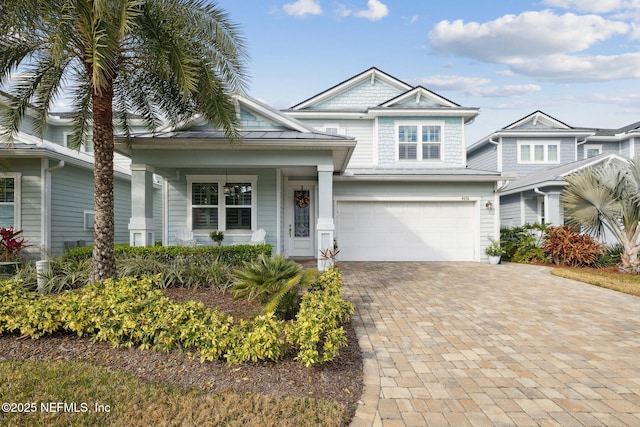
[{"x": 104, "y": 264}]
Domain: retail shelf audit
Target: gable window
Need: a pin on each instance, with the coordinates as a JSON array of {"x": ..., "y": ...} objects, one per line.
[
  {"x": 9, "y": 200},
  {"x": 591, "y": 150},
  {"x": 538, "y": 152},
  {"x": 222, "y": 203},
  {"x": 419, "y": 141}
]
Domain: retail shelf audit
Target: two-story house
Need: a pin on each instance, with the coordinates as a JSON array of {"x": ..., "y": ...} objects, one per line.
[
  {"x": 373, "y": 163},
  {"x": 540, "y": 151},
  {"x": 46, "y": 188}
]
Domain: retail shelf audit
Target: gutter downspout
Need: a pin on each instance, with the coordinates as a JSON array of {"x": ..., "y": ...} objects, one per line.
[
  {"x": 580, "y": 143},
  {"x": 45, "y": 212}
]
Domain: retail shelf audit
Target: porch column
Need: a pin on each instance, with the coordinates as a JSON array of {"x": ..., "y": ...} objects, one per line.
[
  {"x": 141, "y": 224},
  {"x": 325, "y": 227}
]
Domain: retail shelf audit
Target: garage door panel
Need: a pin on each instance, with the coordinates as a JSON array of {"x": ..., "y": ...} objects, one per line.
[{"x": 405, "y": 231}]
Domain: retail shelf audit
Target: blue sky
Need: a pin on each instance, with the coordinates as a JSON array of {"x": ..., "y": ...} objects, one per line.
[{"x": 577, "y": 60}]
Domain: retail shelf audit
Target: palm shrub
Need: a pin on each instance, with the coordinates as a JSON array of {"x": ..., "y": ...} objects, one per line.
[
  {"x": 566, "y": 246},
  {"x": 608, "y": 198},
  {"x": 524, "y": 243},
  {"x": 275, "y": 282}
]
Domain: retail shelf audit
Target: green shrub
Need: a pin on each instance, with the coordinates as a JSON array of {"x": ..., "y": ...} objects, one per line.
[
  {"x": 524, "y": 243},
  {"x": 275, "y": 282},
  {"x": 317, "y": 331},
  {"x": 565, "y": 246},
  {"x": 610, "y": 256},
  {"x": 133, "y": 312}
]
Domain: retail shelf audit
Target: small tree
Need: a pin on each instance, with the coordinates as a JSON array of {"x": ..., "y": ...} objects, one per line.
[{"x": 607, "y": 198}]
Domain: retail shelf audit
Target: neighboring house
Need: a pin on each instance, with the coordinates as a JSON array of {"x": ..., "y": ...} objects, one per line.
[
  {"x": 541, "y": 150},
  {"x": 374, "y": 163},
  {"x": 46, "y": 189}
]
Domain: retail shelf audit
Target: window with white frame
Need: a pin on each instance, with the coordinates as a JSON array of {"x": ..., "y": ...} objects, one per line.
[
  {"x": 419, "y": 141},
  {"x": 9, "y": 200},
  {"x": 89, "y": 219},
  {"x": 86, "y": 147},
  {"x": 222, "y": 203},
  {"x": 538, "y": 152},
  {"x": 332, "y": 129},
  {"x": 591, "y": 150}
]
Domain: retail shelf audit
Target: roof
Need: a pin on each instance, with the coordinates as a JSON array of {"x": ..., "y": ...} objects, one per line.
[{"x": 555, "y": 176}]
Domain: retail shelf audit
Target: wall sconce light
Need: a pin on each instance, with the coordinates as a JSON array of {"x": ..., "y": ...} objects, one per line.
[{"x": 488, "y": 205}]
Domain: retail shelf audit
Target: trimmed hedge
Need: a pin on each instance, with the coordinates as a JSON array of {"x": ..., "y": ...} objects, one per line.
[
  {"x": 132, "y": 312},
  {"x": 232, "y": 255}
]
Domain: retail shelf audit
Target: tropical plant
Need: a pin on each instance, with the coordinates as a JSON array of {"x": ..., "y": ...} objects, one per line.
[
  {"x": 156, "y": 59},
  {"x": 217, "y": 236},
  {"x": 275, "y": 282},
  {"x": 524, "y": 243},
  {"x": 494, "y": 249},
  {"x": 564, "y": 245},
  {"x": 607, "y": 198},
  {"x": 11, "y": 243}
]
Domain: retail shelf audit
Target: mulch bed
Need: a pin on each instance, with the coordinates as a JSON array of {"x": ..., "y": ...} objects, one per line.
[{"x": 339, "y": 380}]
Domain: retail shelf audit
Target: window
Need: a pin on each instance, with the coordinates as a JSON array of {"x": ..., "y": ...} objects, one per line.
[
  {"x": 9, "y": 200},
  {"x": 419, "y": 141},
  {"x": 332, "y": 129},
  {"x": 89, "y": 220},
  {"x": 86, "y": 147},
  {"x": 222, "y": 203},
  {"x": 592, "y": 150},
  {"x": 538, "y": 152}
]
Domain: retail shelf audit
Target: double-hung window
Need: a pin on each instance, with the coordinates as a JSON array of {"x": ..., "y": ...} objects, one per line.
[
  {"x": 419, "y": 141},
  {"x": 9, "y": 200},
  {"x": 222, "y": 202},
  {"x": 538, "y": 152}
]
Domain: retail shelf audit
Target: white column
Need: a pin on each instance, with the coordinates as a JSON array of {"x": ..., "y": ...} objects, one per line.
[
  {"x": 325, "y": 226},
  {"x": 553, "y": 207},
  {"x": 141, "y": 224}
]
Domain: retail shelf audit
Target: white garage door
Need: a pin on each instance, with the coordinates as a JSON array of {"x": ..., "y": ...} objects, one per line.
[{"x": 405, "y": 231}]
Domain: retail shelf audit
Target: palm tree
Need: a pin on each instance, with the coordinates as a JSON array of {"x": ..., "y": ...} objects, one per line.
[
  {"x": 607, "y": 198},
  {"x": 161, "y": 60}
]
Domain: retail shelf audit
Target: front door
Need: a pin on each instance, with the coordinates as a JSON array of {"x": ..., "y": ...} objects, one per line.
[{"x": 300, "y": 221}]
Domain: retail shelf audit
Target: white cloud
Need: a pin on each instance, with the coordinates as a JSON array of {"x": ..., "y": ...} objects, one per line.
[
  {"x": 594, "y": 6},
  {"x": 303, "y": 7},
  {"x": 411, "y": 19},
  {"x": 513, "y": 38},
  {"x": 567, "y": 68},
  {"x": 376, "y": 10},
  {"x": 474, "y": 86}
]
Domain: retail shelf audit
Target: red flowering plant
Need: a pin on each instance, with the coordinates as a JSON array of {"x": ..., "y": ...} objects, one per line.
[{"x": 11, "y": 244}]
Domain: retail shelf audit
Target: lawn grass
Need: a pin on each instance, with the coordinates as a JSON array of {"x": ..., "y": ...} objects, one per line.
[
  {"x": 605, "y": 278},
  {"x": 130, "y": 402}
]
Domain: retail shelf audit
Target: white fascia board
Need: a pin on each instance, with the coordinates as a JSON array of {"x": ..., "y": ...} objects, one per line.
[
  {"x": 367, "y": 75},
  {"x": 530, "y": 187},
  {"x": 467, "y": 113},
  {"x": 540, "y": 116},
  {"x": 274, "y": 115},
  {"x": 421, "y": 178},
  {"x": 609, "y": 158}
]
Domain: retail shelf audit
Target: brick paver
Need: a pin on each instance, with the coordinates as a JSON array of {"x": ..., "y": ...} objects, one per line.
[{"x": 472, "y": 344}]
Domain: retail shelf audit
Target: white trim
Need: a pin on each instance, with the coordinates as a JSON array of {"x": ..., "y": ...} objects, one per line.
[
  {"x": 86, "y": 216},
  {"x": 17, "y": 196},
  {"x": 419, "y": 124},
  {"x": 165, "y": 212},
  {"x": 221, "y": 180},
  {"x": 279, "y": 216},
  {"x": 406, "y": 199},
  {"x": 376, "y": 142},
  {"x": 532, "y": 143},
  {"x": 45, "y": 206},
  {"x": 588, "y": 147}
]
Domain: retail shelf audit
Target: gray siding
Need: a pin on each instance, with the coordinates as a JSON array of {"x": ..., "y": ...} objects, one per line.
[
  {"x": 30, "y": 202},
  {"x": 71, "y": 195},
  {"x": 266, "y": 204},
  {"x": 453, "y": 150},
  {"x": 510, "y": 156},
  {"x": 361, "y": 130},
  {"x": 510, "y": 213},
  {"x": 485, "y": 158}
]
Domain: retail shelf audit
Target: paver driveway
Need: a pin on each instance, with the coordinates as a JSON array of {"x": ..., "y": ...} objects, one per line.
[{"x": 472, "y": 344}]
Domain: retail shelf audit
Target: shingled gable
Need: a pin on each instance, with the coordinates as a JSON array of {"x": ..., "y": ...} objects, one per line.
[{"x": 372, "y": 75}]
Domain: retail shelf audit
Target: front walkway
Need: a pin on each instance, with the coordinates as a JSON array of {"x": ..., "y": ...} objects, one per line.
[{"x": 457, "y": 344}]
